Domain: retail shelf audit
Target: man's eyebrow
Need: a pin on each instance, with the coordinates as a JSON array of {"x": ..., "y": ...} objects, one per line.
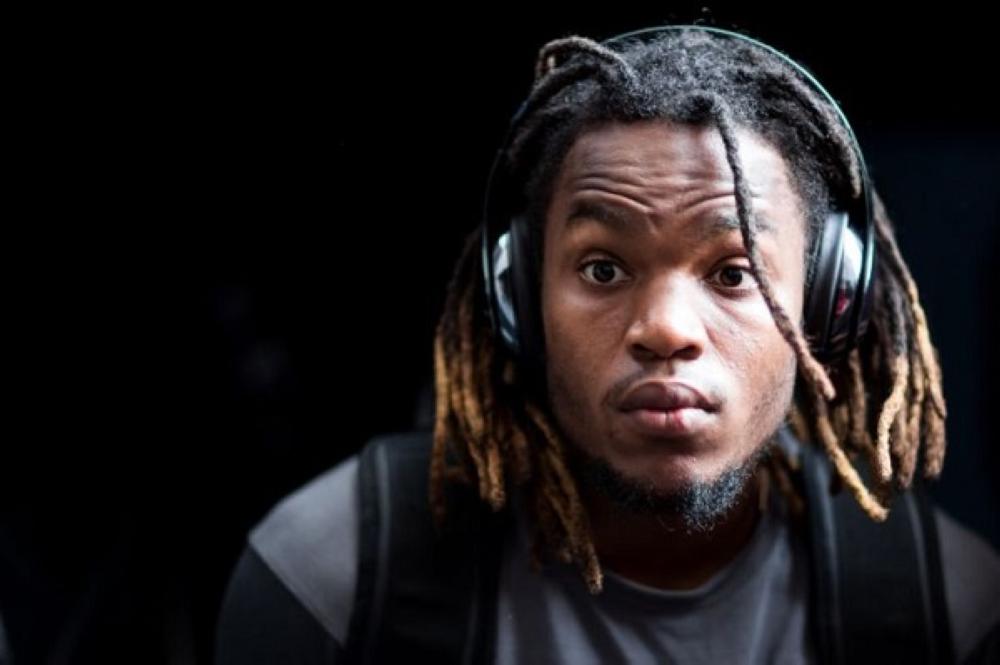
[
  {"x": 626, "y": 221},
  {"x": 614, "y": 217},
  {"x": 721, "y": 224}
]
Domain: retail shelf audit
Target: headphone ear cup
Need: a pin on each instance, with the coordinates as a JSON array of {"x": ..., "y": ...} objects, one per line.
[
  {"x": 525, "y": 286},
  {"x": 820, "y": 301},
  {"x": 840, "y": 295},
  {"x": 505, "y": 323}
]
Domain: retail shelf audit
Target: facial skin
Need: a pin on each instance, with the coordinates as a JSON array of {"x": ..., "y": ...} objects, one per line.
[{"x": 679, "y": 304}]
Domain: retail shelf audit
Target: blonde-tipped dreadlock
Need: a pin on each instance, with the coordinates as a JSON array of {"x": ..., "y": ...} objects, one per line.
[{"x": 880, "y": 402}]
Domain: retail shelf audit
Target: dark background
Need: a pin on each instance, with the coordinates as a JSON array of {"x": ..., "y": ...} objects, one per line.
[{"x": 229, "y": 244}]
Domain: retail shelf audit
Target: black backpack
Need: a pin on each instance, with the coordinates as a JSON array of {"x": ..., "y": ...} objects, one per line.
[{"x": 877, "y": 589}]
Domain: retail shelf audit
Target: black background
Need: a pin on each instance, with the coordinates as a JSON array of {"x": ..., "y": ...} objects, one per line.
[{"x": 229, "y": 237}]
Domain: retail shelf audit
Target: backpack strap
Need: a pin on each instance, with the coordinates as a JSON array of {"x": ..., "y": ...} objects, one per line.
[
  {"x": 878, "y": 588},
  {"x": 421, "y": 596}
]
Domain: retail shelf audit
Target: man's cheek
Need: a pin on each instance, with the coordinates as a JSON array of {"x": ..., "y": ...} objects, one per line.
[{"x": 564, "y": 339}]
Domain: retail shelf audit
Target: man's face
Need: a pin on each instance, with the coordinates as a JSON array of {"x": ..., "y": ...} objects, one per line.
[{"x": 646, "y": 279}]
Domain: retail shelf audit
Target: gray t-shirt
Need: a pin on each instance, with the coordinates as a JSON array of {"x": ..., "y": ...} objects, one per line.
[{"x": 753, "y": 611}]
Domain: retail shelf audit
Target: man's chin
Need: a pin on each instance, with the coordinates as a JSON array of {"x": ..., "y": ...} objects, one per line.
[{"x": 693, "y": 503}]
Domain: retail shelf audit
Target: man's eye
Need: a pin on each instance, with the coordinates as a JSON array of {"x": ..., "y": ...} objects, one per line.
[
  {"x": 601, "y": 271},
  {"x": 735, "y": 277}
]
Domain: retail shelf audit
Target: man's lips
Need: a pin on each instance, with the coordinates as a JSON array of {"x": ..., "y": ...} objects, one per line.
[
  {"x": 662, "y": 409},
  {"x": 665, "y": 396}
]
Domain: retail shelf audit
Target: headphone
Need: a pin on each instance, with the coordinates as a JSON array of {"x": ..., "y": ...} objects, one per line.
[{"x": 837, "y": 306}]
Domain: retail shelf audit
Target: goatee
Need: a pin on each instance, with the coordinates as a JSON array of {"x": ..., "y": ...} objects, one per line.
[{"x": 698, "y": 506}]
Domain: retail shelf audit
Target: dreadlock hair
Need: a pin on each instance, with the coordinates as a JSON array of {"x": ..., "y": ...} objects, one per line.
[{"x": 490, "y": 432}]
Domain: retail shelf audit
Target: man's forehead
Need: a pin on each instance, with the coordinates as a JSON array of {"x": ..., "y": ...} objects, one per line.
[
  {"x": 628, "y": 176},
  {"x": 673, "y": 155},
  {"x": 623, "y": 220}
]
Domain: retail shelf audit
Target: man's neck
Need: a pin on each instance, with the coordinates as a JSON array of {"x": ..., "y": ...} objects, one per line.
[{"x": 658, "y": 551}]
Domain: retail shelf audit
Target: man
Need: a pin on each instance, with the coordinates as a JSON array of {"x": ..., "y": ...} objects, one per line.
[{"x": 626, "y": 387}]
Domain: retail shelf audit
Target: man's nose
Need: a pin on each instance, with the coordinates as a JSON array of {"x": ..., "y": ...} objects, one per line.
[{"x": 667, "y": 322}]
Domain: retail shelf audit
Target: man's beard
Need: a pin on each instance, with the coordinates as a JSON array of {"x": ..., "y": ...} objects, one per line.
[{"x": 698, "y": 506}]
